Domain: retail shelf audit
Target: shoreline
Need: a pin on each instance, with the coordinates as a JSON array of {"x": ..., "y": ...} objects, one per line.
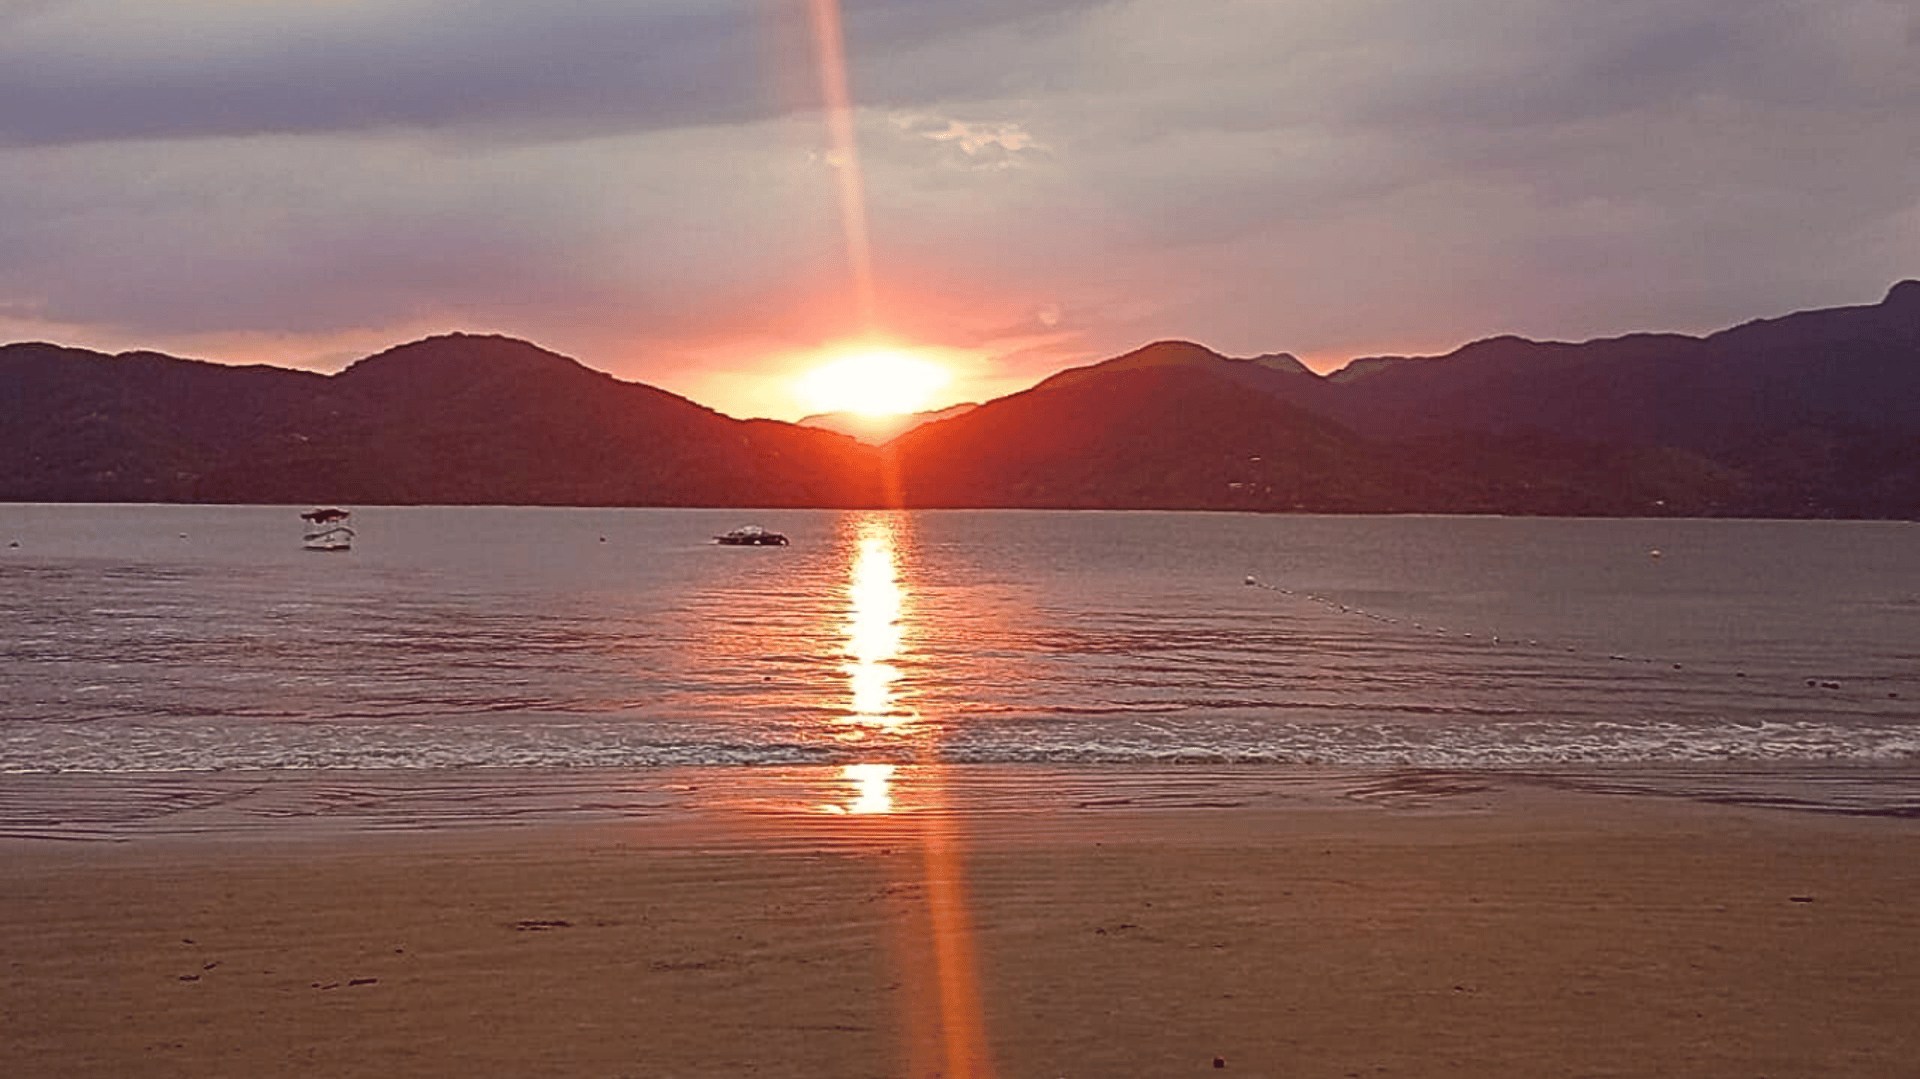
[
  {"x": 305, "y": 804},
  {"x": 1409, "y": 924}
]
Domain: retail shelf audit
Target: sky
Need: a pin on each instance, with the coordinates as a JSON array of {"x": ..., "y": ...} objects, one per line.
[{"x": 655, "y": 187}]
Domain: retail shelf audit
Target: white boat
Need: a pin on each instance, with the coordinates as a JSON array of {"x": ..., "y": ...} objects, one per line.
[
  {"x": 327, "y": 529},
  {"x": 751, "y": 536}
]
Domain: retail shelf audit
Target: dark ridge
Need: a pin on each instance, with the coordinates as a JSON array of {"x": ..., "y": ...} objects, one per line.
[{"x": 1815, "y": 413}]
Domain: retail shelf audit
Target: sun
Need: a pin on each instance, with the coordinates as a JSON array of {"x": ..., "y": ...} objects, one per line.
[{"x": 874, "y": 383}]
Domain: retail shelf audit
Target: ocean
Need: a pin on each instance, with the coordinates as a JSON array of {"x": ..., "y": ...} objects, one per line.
[{"x": 193, "y": 641}]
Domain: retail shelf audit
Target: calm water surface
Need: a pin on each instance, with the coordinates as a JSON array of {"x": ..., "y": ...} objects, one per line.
[{"x": 193, "y": 639}]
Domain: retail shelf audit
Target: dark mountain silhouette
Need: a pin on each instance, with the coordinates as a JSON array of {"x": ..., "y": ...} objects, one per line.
[
  {"x": 1145, "y": 436},
  {"x": 138, "y": 427},
  {"x": 1814, "y": 413},
  {"x": 455, "y": 419},
  {"x": 1278, "y": 369},
  {"x": 1854, "y": 367},
  {"x": 1811, "y": 414}
]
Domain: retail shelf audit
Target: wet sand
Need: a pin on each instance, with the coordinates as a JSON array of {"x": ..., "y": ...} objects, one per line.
[{"x": 1477, "y": 929}]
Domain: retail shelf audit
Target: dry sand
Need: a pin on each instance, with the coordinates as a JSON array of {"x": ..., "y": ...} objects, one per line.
[{"x": 1514, "y": 933}]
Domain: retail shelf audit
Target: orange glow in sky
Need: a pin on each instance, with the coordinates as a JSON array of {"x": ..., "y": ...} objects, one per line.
[{"x": 872, "y": 383}]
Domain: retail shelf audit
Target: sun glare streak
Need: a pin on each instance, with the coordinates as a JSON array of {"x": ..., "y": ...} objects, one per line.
[
  {"x": 843, "y": 154},
  {"x": 947, "y": 1026},
  {"x": 957, "y": 1033},
  {"x": 963, "y": 1024}
]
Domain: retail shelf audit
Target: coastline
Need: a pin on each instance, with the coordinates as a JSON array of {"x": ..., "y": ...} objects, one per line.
[
  {"x": 764, "y": 804},
  {"x": 1011, "y": 922}
]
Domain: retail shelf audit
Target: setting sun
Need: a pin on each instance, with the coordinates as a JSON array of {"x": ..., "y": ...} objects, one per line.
[{"x": 876, "y": 383}]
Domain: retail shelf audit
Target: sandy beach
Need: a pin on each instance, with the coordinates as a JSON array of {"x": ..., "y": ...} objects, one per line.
[{"x": 1482, "y": 930}]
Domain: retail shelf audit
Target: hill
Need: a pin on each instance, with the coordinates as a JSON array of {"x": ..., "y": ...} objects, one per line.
[
  {"x": 1153, "y": 436},
  {"x": 1811, "y": 414},
  {"x": 457, "y": 419}
]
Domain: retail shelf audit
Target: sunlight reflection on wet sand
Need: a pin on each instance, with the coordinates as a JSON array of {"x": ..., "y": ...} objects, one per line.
[{"x": 949, "y": 1029}]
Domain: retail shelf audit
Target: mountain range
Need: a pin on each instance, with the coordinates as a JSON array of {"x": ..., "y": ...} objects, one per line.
[{"x": 1811, "y": 414}]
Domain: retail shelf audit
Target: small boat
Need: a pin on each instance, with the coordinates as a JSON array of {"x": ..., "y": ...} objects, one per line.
[
  {"x": 327, "y": 529},
  {"x": 751, "y": 536}
]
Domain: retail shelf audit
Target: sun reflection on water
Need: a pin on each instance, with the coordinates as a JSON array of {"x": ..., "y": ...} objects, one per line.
[
  {"x": 876, "y": 606},
  {"x": 872, "y": 785},
  {"x": 949, "y": 1027}
]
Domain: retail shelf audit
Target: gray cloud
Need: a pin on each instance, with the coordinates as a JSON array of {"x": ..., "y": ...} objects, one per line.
[
  {"x": 1544, "y": 150},
  {"x": 642, "y": 184},
  {"x": 140, "y": 71},
  {"x": 80, "y": 70}
]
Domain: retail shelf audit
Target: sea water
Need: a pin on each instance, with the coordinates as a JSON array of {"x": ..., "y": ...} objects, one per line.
[{"x": 196, "y": 639}]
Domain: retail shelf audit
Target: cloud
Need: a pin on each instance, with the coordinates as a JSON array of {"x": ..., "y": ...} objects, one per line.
[
  {"x": 645, "y": 185},
  {"x": 83, "y": 70},
  {"x": 106, "y": 69},
  {"x": 994, "y": 144},
  {"x": 1514, "y": 163}
]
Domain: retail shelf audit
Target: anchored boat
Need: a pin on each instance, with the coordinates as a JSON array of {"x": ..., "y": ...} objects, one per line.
[
  {"x": 751, "y": 536},
  {"x": 327, "y": 529}
]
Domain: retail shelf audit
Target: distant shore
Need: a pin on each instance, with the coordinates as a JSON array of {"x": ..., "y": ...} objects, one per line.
[{"x": 1011, "y": 922}]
